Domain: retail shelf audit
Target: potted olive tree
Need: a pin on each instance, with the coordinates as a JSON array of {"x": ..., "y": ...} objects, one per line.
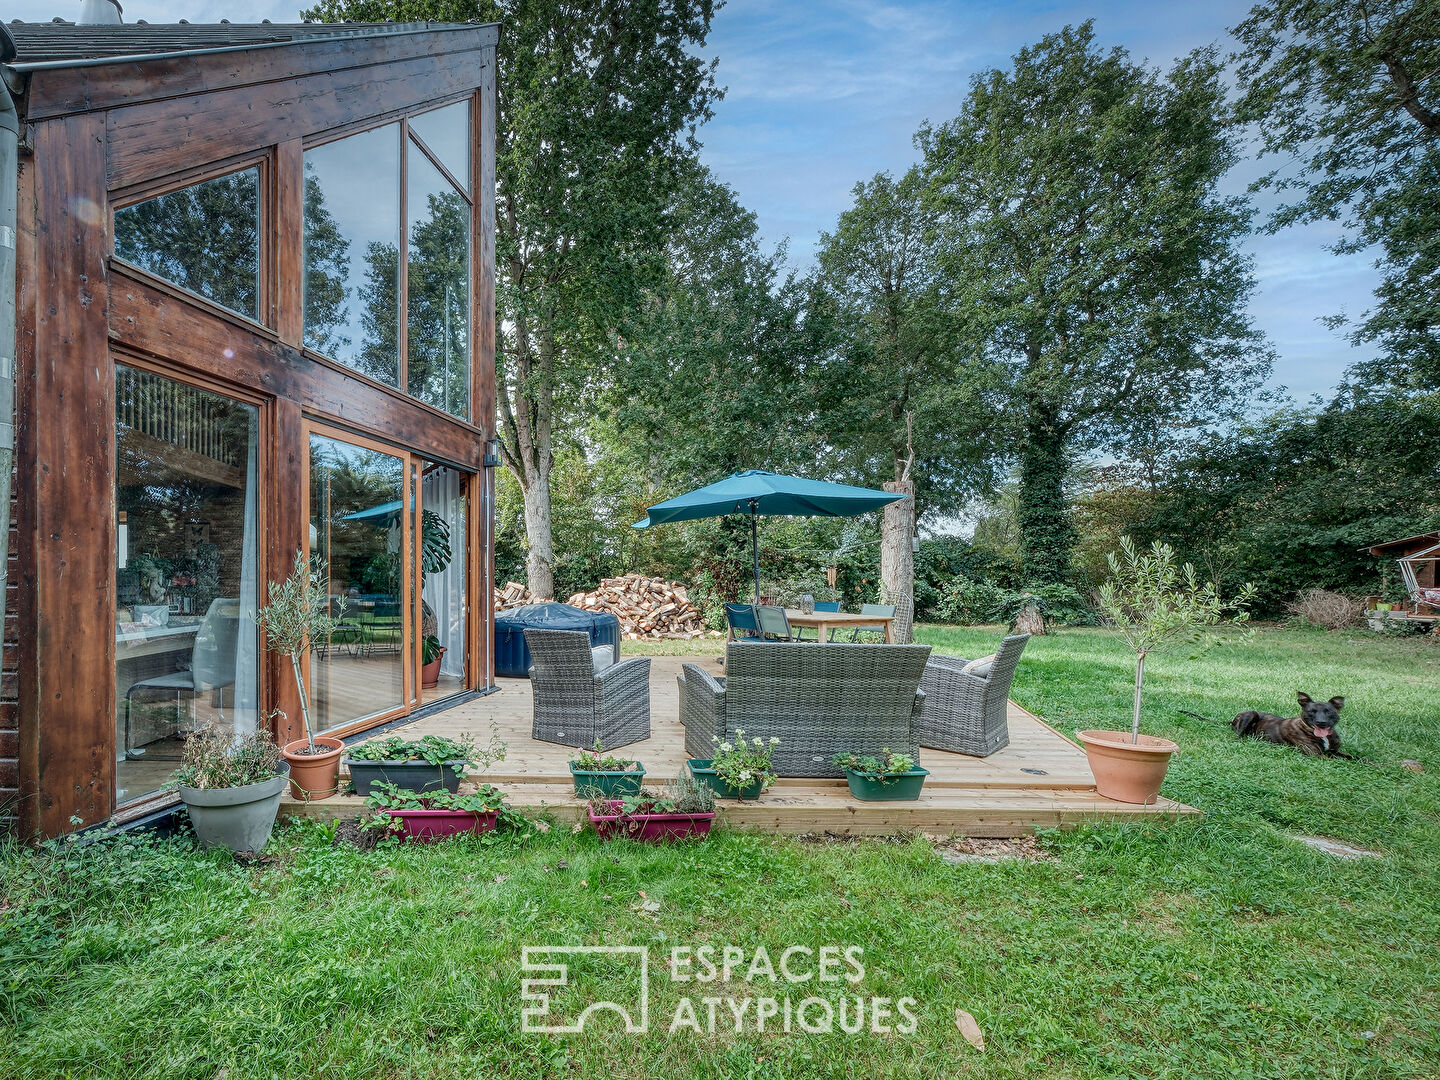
[
  {"x": 297, "y": 615},
  {"x": 231, "y": 786},
  {"x": 1154, "y": 604}
]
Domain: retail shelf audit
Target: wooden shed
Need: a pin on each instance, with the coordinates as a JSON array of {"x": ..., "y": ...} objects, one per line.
[
  {"x": 255, "y": 316},
  {"x": 1419, "y": 559}
]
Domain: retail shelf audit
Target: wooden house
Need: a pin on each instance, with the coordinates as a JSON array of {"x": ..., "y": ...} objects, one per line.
[{"x": 254, "y": 313}]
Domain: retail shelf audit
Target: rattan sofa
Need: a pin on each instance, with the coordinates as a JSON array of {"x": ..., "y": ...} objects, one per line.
[
  {"x": 577, "y": 706},
  {"x": 968, "y": 713},
  {"x": 818, "y": 699}
]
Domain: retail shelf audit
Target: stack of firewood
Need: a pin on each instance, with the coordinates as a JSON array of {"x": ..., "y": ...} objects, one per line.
[
  {"x": 646, "y": 607},
  {"x": 512, "y": 595}
]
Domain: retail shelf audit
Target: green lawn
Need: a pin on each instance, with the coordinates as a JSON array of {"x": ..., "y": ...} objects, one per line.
[{"x": 1218, "y": 948}]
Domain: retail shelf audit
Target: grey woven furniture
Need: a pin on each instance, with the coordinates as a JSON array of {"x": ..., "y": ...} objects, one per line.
[
  {"x": 575, "y": 706},
  {"x": 967, "y": 713},
  {"x": 819, "y": 699}
]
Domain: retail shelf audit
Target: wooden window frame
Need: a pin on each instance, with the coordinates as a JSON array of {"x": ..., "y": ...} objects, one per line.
[{"x": 266, "y": 298}]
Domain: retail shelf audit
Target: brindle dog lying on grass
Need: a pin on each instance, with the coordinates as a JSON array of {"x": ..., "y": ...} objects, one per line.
[{"x": 1312, "y": 732}]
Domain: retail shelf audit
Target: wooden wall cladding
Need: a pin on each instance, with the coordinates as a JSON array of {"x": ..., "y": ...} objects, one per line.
[
  {"x": 67, "y": 667},
  {"x": 79, "y": 311},
  {"x": 155, "y": 322},
  {"x": 61, "y": 91},
  {"x": 159, "y": 138}
]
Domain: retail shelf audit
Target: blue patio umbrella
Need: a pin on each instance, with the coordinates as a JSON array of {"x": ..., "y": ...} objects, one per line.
[{"x": 756, "y": 493}]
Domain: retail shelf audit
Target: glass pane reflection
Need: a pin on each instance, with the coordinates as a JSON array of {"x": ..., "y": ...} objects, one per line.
[
  {"x": 438, "y": 346},
  {"x": 352, "y": 251}
]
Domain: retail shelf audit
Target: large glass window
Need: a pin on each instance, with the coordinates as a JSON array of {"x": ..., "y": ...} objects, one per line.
[
  {"x": 447, "y": 134},
  {"x": 438, "y": 324},
  {"x": 352, "y": 252},
  {"x": 205, "y": 238},
  {"x": 358, "y": 526},
  {"x": 354, "y": 237},
  {"x": 186, "y": 646}
]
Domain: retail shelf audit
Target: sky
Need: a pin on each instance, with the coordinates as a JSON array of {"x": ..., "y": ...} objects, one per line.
[{"x": 821, "y": 94}]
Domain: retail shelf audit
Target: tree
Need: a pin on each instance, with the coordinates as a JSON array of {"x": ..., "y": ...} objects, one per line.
[
  {"x": 1089, "y": 255},
  {"x": 897, "y": 397},
  {"x": 597, "y": 104},
  {"x": 1350, "y": 90},
  {"x": 1153, "y": 604}
]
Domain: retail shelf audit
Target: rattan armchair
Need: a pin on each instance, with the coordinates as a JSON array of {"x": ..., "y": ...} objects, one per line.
[
  {"x": 967, "y": 713},
  {"x": 575, "y": 705},
  {"x": 820, "y": 700}
]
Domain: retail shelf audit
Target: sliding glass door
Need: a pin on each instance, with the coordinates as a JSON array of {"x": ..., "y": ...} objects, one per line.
[{"x": 392, "y": 531}]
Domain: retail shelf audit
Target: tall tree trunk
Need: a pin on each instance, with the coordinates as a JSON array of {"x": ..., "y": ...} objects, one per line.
[
  {"x": 897, "y": 559},
  {"x": 1047, "y": 536},
  {"x": 540, "y": 559}
]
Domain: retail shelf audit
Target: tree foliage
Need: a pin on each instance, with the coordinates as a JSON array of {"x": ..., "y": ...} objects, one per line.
[
  {"x": 1352, "y": 91},
  {"x": 897, "y": 395},
  {"x": 598, "y": 105},
  {"x": 1091, "y": 257}
]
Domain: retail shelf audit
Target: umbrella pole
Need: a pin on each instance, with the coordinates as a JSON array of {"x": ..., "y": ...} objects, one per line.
[{"x": 755, "y": 548}]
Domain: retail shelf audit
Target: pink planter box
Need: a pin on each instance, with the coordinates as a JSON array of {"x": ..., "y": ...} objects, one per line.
[
  {"x": 653, "y": 827},
  {"x": 427, "y": 825}
]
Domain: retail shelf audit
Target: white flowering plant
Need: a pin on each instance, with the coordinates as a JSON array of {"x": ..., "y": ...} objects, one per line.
[{"x": 744, "y": 761}]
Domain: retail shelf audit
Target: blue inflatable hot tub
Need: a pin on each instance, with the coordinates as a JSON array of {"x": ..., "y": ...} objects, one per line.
[{"x": 512, "y": 658}]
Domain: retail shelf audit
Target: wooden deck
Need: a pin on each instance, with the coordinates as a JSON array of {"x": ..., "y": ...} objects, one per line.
[{"x": 1040, "y": 780}]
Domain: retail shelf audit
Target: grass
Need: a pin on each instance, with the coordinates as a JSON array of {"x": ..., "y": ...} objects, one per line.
[{"x": 1217, "y": 948}]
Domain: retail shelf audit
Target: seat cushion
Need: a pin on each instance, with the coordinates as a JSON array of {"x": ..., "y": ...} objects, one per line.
[
  {"x": 602, "y": 656},
  {"x": 980, "y": 667}
]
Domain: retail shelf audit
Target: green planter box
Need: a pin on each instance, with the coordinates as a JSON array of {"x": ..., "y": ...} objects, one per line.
[
  {"x": 700, "y": 769},
  {"x": 901, "y": 787},
  {"x": 610, "y": 785}
]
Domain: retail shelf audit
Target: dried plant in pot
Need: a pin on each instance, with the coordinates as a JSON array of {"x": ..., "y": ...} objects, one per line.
[
  {"x": 231, "y": 785},
  {"x": 299, "y": 613},
  {"x": 1154, "y": 604},
  {"x": 683, "y": 810}
]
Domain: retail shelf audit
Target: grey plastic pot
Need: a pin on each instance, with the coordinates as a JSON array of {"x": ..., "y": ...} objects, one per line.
[{"x": 240, "y": 818}]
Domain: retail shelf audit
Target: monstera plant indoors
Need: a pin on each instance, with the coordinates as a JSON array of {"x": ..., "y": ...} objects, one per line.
[{"x": 435, "y": 557}]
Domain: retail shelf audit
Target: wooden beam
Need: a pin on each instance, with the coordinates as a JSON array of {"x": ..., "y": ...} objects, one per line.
[
  {"x": 68, "y": 681},
  {"x": 60, "y": 91},
  {"x": 152, "y": 321},
  {"x": 159, "y": 138},
  {"x": 288, "y": 230}
]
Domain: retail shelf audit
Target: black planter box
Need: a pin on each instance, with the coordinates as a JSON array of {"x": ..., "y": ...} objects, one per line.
[{"x": 417, "y": 776}]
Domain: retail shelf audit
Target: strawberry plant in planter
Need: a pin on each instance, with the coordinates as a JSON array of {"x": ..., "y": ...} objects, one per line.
[
  {"x": 596, "y": 774},
  {"x": 434, "y": 815},
  {"x": 426, "y": 764},
  {"x": 886, "y": 777},
  {"x": 684, "y": 810}
]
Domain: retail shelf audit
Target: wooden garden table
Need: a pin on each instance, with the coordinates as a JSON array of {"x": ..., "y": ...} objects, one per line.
[{"x": 825, "y": 621}]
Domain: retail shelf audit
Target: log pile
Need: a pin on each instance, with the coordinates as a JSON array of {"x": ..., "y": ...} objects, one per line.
[
  {"x": 646, "y": 607},
  {"x": 512, "y": 596}
]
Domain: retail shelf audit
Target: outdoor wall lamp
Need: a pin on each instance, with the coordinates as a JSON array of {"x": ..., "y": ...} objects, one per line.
[{"x": 492, "y": 453}]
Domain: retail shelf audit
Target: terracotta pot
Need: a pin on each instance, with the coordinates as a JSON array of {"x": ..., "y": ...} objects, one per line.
[
  {"x": 430, "y": 673},
  {"x": 1126, "y": 771},
  {"x": 314, "y": 776}
]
